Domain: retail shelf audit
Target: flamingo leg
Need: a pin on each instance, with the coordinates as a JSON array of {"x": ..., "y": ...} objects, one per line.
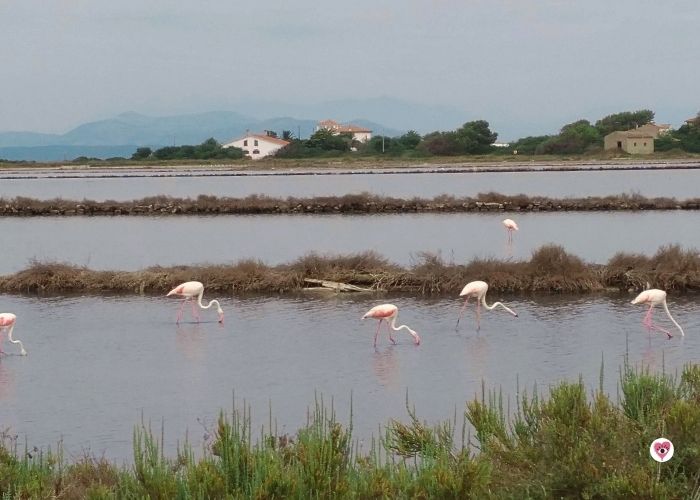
[
  {"x": 461, "y": 311},
  {"x": 650, "y": 326},
  {"x": 195, "y": 312},
  {"x": 391, "y": 337},
  {"x": 376, "y": 334},
  {"x": 180, "y": 311},
  {"x": 478, "y": 316}
]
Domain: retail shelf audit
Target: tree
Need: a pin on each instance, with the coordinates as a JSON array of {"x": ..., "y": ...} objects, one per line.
[
  {"x": 141, "y": 154},
  {"x": 624, "y": 121},
  {"x": 441, "y": 144},
  {"x": 325, "y": 140},
  {"x": 475, "y": 137},
  {"x": 410, "y": 139},
  {"x": 574, "y": 138},
  {"x": 530, "y": 145}
]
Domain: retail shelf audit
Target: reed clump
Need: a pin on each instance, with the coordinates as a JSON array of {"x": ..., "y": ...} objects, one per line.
[
  {"x": 550, "y": 269},
  {"x": 569, "y": 442},
  {"x": 357, "y": 203}
]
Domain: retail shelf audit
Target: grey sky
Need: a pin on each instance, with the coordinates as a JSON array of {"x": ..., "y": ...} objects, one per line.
[{"x": 526, "y": 66}]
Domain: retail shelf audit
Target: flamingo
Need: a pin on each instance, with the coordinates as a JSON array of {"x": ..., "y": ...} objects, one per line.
[
  {"x": 189, "y": 290},
  {"x": 388, "y": 313},
  {"x": 8, "y": 320},
  {"x": 478, "y": 289},
  {"x": 510, "y": 227},
  {"x": 655, "y": 297}
]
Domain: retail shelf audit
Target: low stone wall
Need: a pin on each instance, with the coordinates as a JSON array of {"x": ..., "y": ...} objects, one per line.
[{"x": 349, "y": 204}]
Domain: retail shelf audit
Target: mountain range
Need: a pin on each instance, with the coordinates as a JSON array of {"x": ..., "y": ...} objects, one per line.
[{"x": 122, "y": 134}]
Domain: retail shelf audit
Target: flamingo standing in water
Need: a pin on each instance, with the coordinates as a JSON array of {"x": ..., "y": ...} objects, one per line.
[
  {"x": 478, "y": 289},
  {"x": 655, "y": 297},
  {"x": 8, "y": 320},
  {"x": 189, "y": 290},
  {"x": 388, "y": 312},
  {"x": 510, "y": 227}
]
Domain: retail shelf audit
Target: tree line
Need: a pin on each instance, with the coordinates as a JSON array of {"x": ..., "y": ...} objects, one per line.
[{"x": 472, "y": 138}]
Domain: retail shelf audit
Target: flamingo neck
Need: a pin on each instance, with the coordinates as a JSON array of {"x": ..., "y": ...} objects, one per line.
[
  {"x": 211, "y": 302},
  {"x": 17, "y": 341},
  {"x": 493, "y": 306},
  {"x": 397, "y": 328},
  {"x": 673, "y": 320}
]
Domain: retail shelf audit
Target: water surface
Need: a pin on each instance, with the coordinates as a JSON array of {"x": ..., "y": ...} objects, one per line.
[
  {"x": 132, "y": 243},
  {"x": 671, "y": 183},
  {"x": 96, "y": 366}
]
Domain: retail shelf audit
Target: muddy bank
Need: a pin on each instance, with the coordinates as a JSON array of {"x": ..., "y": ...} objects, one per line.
[
  {"x": 363, "y": 203},
  {"x": 550, "y": 269}
]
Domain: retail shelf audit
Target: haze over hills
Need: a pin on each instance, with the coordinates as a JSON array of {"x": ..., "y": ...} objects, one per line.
[{"x": 121, "y": 135}]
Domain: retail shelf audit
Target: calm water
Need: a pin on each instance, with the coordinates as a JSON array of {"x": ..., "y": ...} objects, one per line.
[
  {"x": 97, "y": 365},
  {"x": 132, "y": 243},
  {"x": 671, "y": 183}
]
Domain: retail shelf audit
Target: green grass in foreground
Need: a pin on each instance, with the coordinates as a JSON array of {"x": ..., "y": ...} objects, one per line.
[{"x": 567, "y": 444}]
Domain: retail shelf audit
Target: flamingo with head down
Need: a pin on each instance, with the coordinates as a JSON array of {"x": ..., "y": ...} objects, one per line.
[
  {"x": 510, "y": 227},
  {"x": 388, "y": 313},
  {"x": 655, "y": 297},
  {"x": 189, "y": 290},
  {"x": 7, "y": 321},
  {"x": 478, "y": 289}
]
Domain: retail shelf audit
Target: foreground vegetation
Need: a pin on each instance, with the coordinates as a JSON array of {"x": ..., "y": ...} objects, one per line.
[
  {"x": 568, "y": 443},
  {"x": 362, "y": 203},
  {"x": 550, "y": 269}
]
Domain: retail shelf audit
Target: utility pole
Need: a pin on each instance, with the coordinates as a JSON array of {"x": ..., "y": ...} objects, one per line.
[{"x": 382, "y": 144}]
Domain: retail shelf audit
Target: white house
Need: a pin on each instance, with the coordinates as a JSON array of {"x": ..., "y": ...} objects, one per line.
[
  {"x": 360, "y": 134},
  {"x": 257, "y": 145}
]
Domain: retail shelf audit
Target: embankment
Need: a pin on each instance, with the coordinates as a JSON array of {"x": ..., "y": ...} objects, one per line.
[
  {"x": 550, "y": 269},
  {"x": 363, "y": 203}
]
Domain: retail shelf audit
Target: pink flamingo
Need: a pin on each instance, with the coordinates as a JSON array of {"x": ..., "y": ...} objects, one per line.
[
  {"x": 189, "y": 290},
  {"x": 8, "y": 320},
  {"x": 655, "y": 297},
  {"x": 510, "y": 227},
  {"x": 388, "y": 312},
  {"x": 478, "y": 289}
]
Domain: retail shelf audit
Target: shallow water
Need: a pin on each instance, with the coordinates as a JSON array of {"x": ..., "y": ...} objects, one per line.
[
  {"x": 671, "y": 183},
  {"x": 132, "y": 243},
  {"x": 96, "y": 366}
]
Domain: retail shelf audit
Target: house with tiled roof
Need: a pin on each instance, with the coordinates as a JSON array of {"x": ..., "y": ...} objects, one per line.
[
  {"x": 358, "y": 133},
  {"x": 654, "y": 129},
  {"x": 258, "y": 146}
]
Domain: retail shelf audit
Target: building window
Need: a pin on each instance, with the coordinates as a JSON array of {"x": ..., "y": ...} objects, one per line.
[
  {"x": 245, "y": 142},
  {"x": 246, "y": 152},
  {"x": 256, "y": 151},
  {"x": 255, "y": 142}
]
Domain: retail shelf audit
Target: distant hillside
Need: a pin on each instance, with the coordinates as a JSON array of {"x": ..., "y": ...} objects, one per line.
[
  {"x": 64, "y": 153},
  {"x": 115, "y": 136}
]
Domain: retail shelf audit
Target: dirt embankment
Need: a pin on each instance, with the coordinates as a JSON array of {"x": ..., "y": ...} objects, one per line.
[
  {"x": 550, "y": 269},
  {"x": 362, "y": 203}
]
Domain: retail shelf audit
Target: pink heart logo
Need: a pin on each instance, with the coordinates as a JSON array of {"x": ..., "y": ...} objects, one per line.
[{"x": 661, "y": 448}]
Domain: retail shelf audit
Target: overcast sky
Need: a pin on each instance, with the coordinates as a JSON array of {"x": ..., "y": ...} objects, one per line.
[{"x": 539, "y": 63}]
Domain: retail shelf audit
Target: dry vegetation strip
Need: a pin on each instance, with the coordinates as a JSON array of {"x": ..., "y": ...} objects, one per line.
[
  {"x": 550, "y": 269},
  {"x": 351, "y": 203}
]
